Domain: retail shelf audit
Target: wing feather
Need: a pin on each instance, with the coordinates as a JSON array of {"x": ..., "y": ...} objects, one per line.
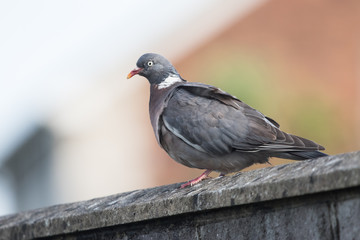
[{"x": 215, "y": 122}]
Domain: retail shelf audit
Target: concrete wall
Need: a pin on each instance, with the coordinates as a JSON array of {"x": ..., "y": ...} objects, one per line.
[{"x": 314, "y": 199}]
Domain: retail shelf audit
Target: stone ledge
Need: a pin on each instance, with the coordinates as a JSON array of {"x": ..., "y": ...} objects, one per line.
[{"x": 273, "y": 183}]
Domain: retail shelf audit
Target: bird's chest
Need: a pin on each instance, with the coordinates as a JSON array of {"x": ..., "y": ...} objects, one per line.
[{"x": 157, "y": 103}]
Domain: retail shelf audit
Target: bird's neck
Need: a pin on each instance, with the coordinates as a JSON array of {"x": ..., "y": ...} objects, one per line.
[
  {"x": 159, "y": 94},
  {"x": 169, "y": 81}
]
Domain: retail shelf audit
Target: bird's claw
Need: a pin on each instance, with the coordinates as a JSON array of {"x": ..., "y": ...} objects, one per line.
[{"x": 194, "y": 181}]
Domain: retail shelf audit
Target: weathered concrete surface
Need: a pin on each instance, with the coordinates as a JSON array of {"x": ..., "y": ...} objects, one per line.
[{"x": 314, "y": 199}]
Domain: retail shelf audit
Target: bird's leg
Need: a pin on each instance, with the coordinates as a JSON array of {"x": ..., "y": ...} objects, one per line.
[{"x": 197, "y": 180}]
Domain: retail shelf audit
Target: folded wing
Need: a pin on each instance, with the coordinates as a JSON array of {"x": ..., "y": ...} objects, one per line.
[{"x": 215, "y": 122}]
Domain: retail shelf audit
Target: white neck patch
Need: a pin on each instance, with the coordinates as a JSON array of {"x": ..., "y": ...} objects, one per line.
[{"x": 170, "y": 80}]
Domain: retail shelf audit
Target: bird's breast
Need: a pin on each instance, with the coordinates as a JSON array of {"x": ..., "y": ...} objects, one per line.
[{"x": 157, "y": 103}]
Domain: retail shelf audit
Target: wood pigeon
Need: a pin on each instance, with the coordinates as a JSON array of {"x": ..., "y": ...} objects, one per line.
[{"x": 201, "y": 126}]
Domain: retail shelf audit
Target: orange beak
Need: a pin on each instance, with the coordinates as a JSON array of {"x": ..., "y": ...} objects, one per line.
[{"x": 134, "y": 72}]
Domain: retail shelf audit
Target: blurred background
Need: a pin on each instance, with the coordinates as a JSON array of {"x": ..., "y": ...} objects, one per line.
[{"x": 72, "y": 127}]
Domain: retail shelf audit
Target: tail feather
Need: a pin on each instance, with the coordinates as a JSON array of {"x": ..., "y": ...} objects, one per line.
[
  {"x": 300, "y": 155},
  {"x": 309, "y": 154}
]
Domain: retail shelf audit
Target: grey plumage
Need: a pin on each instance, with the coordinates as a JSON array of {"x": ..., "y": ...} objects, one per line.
[{"x": 204, "y": 127}]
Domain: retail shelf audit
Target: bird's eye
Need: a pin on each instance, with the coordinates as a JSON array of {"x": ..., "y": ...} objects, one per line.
[{"x": 150, "y": 63}]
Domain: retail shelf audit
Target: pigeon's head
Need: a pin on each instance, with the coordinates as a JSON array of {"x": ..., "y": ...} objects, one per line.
[{"x": 154, "y": 67}]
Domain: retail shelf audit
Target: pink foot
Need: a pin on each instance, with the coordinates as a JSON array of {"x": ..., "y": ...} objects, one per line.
[{"x": 197, "y": 180}]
